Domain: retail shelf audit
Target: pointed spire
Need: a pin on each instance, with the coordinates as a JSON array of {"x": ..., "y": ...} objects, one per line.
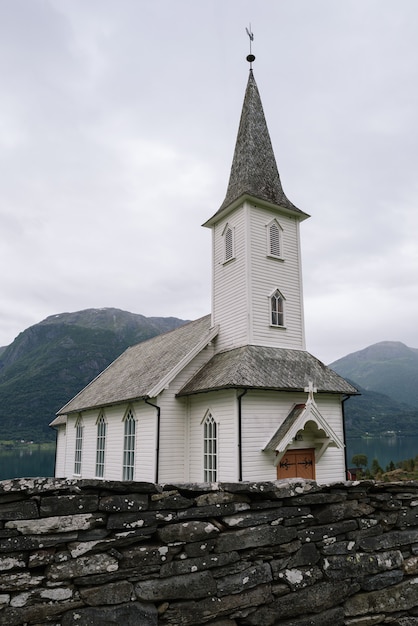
[{"x": 254, "y": 170}]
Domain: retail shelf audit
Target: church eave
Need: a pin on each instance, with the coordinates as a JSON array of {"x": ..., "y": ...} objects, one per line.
[{"x": 247, "y": 197}]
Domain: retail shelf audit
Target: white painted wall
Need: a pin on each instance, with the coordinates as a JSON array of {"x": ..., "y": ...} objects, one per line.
[
  {"x": 224, "y": 408},
  {"x": 268, "y": 274},
  {"x": 230, "y": 293},
  {"x": 263, "y": 412},
  {"x": 242, "y": 286},
  {"x": 60, "y": 451}
]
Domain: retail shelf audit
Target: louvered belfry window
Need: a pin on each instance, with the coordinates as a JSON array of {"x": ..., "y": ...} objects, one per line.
[
  {"x": 78, "y": 446},
  {"x": 277, "y": 309},
  {"x": 100, "y": 446},
  {"x": 210, "y": 440},
  {"x": 229, "y": 244},
  {"x": 274, "y": 240},
  {"x": 129, "y": 447}
]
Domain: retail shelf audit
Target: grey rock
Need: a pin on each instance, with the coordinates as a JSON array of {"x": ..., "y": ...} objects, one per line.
[
  {"x": 198, "y": 564},
  {"x": 199, "y": 585},
  {"x": 112, "y": 593},
  {"x": 126, "y": 502},
  {"x": 172, "y": 500},
  {"x": 315, "y": 599},
  {"x": 28, "y": 509},
  {"x": 83, "y": 566},
  {"x": 319, "y": 533},
  {"x": 388, "y": 540},
  {"x": 195, "y": 613},
  {"x": 333, "y": 617},
  {"x": 188, "y": 531},
  {"x": 68, "y": 505},
  {"x": 142, "y": 521},
  {"x": 215, "y": 510},
  {"x": 389, "y": 600},
  {"x": 360, "y": 564},
  {"x": 149, "y": 554},
  {"x": 254, "y": 537},
  {"x": 256, "y": 518},
  {"x": 248, "y": 578},
  {"x": 133, "y": 614},
  {"x": 383, "y": 580}
]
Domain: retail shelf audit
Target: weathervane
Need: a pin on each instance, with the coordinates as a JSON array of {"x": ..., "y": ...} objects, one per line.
[{"x": 250, "y": 57}]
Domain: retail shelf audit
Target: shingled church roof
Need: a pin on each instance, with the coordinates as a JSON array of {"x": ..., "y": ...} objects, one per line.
[
  {"x": 142, "y": 369},
  {"x": 262, "y": 367},
  {"x": 254, "y": 170}
]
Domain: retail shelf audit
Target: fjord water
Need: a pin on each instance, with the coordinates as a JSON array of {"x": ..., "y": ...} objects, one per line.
[
  {"x": 34, "y": 460},
  {"x": 384, "y": 449},
  {"x": 27, "y": 461}
]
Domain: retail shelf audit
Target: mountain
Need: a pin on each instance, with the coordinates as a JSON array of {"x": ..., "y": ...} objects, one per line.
[
  {"x": 374, "y": 414},
  {"x": 48, "y": 363},
  {"x": 386, "y": 374},
  {"x": 389, "y": 367}
]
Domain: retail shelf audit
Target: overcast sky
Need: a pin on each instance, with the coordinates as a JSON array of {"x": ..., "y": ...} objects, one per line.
[{"x": 118, "y": 120}]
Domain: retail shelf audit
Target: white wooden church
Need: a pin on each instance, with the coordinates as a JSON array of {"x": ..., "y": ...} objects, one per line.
[{"x": 233, "y": 396}]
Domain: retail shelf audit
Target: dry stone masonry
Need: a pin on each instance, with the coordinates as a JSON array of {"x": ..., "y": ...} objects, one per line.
[{"x": 293, "y": 553}]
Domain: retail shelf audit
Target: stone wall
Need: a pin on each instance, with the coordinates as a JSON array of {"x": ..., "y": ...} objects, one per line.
[{"x": 241, "y": 554}]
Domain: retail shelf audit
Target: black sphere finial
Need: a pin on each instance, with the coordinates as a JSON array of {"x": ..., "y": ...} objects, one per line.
[{"x": 250, "y": 57}]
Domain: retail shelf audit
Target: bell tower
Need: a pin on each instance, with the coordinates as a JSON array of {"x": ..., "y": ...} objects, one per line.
[{"x": 256, "y": 263}]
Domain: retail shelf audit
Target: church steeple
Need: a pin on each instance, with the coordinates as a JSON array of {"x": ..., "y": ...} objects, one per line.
[
  {"x": 257, "y": 281},
  {"x": 254, "y": 170}
]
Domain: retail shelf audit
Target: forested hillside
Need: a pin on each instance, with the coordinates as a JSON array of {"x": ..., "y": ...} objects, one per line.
[{"x": 50, "y": 362}]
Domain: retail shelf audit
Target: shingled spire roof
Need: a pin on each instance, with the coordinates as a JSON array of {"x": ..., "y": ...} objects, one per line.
[{"x": 254, "y": 170}]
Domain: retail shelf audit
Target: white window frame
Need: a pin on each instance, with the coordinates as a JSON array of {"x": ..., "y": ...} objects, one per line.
[
  {"x": 277, "y": 315},
  {"x": 129, "y": 441},
  {"x": 210, "y": 448},
  {"x": 228, "y": 235},
  {"x": 101, "y": 425},
  {"x": 271, "y": 252},
  {"x": 78, "y": 450}
]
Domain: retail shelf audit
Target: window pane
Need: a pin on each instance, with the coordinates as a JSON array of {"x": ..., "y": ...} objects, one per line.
[
  {"x": 129, "y": 447},
  {"x": 210, "y": 449}
]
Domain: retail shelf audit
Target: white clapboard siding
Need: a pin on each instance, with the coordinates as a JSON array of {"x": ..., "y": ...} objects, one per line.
[
  {"x": 242, "y": 286},
  {"x": 230, "y": 294},
  {"x": 267, "y": 274},
  {"x": 224, "y": 408},
  {"x": 263, "y": 412},
  {"x": 61, "y": 451},
  {"x": 173, "y": 463}
]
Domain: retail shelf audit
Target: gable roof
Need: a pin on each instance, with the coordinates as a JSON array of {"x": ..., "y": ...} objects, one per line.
[
  {"x": 143, "y": 370},
  {"x": 261, "y": 367},
  {"x": 295, "y": 421},
  {"x": 254, "y": 170}
]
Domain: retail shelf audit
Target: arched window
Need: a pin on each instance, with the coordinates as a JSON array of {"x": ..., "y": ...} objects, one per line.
[
  {"x": 277, "y": 309},
  {"x": 228, "y": 235},
  {"x": 210, "y": 449},
  {"x": 274, "y": 239},
  {"x": 78, "y": 446},
  {"x": 100, "y": 445},
  {"x": 129, "y": 446}
]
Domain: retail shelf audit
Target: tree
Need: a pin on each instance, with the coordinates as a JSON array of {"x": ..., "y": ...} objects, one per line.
[
  {"x": 359, "y": 460},
  {"x": 375, "y": 470}
]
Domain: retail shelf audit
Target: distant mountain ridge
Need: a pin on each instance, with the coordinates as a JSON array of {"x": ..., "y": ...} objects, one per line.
[
  {"x": 389, "y": 367},
  {"x": 48, "y": 363},
  {"x": 386, "y": 374}
]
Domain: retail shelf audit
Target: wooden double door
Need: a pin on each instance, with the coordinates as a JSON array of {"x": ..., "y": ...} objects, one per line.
[{"x": 299, "y": 463}]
